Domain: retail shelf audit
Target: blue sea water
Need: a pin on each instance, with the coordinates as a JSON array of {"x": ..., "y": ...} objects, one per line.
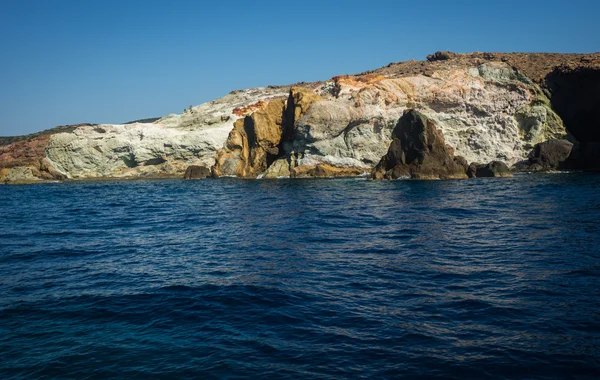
[{"x": 349, "y": 278}]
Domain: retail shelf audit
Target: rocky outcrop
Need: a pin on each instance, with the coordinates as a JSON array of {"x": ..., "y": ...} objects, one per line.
[
  {"x": 25, "y": 161},
  {"x": 258, "y": 139},
  {"x": 547, "y": 156},
  {"x": 418, "y": 151},
  {"x": 163, "y": 148},
  {"x": 137, "y": 150},
  {"x": 485, "y": 113},
  {"x": 197, "y": 172},
  {"x": 253, "y": 143},
  {"x": 441, "y": 56},
  {"x": 487, "y": 106},
  {"x": 492, "y": 169}
]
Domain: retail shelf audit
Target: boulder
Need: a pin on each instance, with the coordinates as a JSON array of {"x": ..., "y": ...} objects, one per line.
[
  {"x": 441, "y": 56},
  {"x": 418, "y": 150},
  {"x": 550, "y": 154},
  {"x": 196, "y": 172},
  {"x": 278, "y": 169},
  {"x": 492, "y": 169}
]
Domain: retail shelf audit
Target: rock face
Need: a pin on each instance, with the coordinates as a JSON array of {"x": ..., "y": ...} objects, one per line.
[
  {"x": 257, "y": 140},
  {"x": 485, "y": 112},
  {"x": 20, "y": 175},
  {"x": 418, "y": 150},
  {"x": 253, "y": 143},
  {"x": 136, "y": 150},
  {"x": 164, "y": 148},
  {"x": 25, "y": 161},
  {"x": 492, "y": 169},
  {"x": 487, "y": 106},
  {"x": 197, "y": 172}
]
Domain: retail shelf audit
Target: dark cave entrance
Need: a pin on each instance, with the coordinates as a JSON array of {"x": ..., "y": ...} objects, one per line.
[{"x": 575, "y": 96}]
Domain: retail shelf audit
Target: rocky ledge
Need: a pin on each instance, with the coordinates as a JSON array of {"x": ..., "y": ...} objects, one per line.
[{"x": 451, "y": 116}]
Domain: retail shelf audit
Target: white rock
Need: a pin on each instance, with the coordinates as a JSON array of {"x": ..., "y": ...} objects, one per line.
[{"x": 166, "y": 147}]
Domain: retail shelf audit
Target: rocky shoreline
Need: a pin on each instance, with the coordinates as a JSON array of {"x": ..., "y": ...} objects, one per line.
[{"x": 451, "y": 116}]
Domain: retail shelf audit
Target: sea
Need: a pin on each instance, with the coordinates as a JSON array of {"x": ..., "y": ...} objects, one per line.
[{"x": 492, "y": 278}]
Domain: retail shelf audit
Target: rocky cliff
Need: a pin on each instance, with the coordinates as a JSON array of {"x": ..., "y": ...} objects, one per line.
[
  {"x": 485, "y": 108},
  {"x": 163, "y": 148}
]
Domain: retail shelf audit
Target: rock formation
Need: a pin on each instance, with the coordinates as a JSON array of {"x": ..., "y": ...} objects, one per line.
[
  {"x": 196, "y": 172},
  {"x": 492, "y": 169},
  {"x": 487, "y": 106},
  {"x": 549, "y": 155},
  {"x": 258, "y": 139},
  {"x": 418, "y": 150},
  {"x": 163, "y": 148}
]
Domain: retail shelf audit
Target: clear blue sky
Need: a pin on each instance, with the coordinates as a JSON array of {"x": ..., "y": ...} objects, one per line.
[{"x": 106, "y": 61}]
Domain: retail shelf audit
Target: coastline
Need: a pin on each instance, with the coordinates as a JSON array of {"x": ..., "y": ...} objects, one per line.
[{"x": 450, "y": 116}]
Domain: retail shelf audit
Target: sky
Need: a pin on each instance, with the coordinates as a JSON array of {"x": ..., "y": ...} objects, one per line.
[{"x": 106, "y": 61}]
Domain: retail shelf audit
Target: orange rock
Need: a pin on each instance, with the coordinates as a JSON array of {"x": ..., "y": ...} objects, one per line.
[
  {"x": 325, "y": 171},
  {"x": 249, "y": 109},
  {"x": 254, "y": 143}
]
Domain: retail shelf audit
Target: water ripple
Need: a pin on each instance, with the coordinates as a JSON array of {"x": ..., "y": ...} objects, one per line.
[{"x": 486, "y": 278}]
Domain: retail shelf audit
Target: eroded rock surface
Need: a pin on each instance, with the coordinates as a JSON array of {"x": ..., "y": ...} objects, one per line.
[
  {"x": 487, "y": 106},
  {"x": 260, "y": 138},
  {"x": 485, "y": 112}
]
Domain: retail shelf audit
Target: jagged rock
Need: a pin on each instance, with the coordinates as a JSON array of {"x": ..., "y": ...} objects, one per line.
[
  {"x": 257, "y": 140},
  {"x": 253, "y": 143},
  {"x": 538, "y": 122},
  {"x": 472, "y": 170},
  {"x": 492, "y": 169},
  {"x": 196, "y": 172},
  {"x": 418, "y": 150}
]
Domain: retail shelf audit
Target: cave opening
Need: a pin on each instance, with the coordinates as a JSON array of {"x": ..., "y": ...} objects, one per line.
[{"x": 575, "y": 96}]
